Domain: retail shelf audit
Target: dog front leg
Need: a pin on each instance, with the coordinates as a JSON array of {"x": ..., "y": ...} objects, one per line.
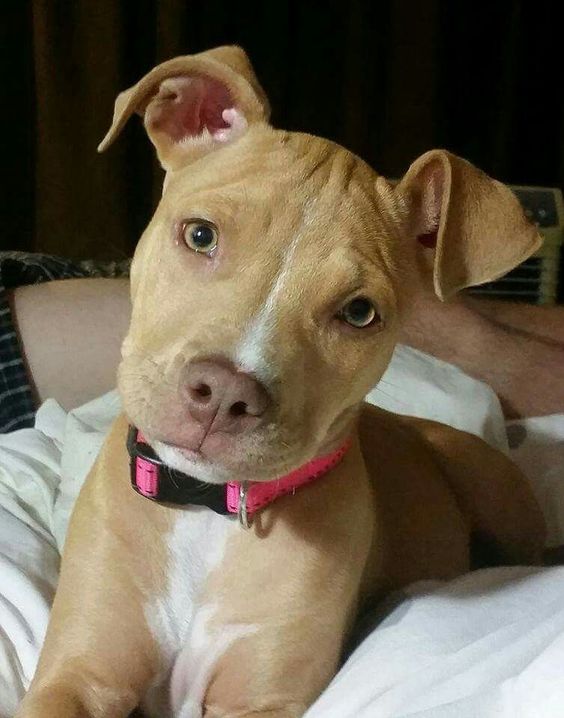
[
  {"x": 62, "y": 700},
  {"x": 92, "y": 665},
  {"x": 51, "y": 703},
  {"x": 99, "y": 656}
]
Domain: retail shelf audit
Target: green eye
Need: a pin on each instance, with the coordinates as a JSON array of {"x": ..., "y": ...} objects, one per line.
[
  {"x": 359, "y": 313},
  {"x": 200, "y": 236}
]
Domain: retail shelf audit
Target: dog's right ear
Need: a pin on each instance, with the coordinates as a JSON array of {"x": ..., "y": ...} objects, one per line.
[{"x": 192, "y": 104}]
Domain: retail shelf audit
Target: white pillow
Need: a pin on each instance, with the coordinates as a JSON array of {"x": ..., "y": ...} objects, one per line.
[{"x": 420, "y": 385}]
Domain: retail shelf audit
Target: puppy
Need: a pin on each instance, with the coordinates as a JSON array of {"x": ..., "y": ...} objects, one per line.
[{"x": 269, "y": 502}]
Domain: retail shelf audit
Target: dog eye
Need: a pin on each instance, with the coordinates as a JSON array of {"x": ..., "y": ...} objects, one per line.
[
  {"x": 200, "y": 236},
  {"x": 359, "y": 313}
]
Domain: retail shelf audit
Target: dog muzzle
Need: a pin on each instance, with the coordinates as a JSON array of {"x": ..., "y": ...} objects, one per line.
[{"x": 154, "y": 480}]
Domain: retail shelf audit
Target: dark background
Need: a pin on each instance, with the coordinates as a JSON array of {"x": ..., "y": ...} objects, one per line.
[{"x": 388, "y": 79}]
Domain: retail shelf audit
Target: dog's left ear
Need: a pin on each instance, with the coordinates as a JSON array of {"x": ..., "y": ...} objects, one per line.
[
  {"x": 476, "y": 224},
  {"x": 193, "y": 104}
]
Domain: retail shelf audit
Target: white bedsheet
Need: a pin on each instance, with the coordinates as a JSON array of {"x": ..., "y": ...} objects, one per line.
[
  {"x": 488, "y": 644},
  {"x": 29, "y": 560}
]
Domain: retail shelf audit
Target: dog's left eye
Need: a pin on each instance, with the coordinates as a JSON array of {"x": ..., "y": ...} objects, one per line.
[
  {"x": 359, "y": 313},
  {"x": 200, "y": 236}
]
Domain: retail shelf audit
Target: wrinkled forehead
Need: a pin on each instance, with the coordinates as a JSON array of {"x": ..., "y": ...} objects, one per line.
[
  {"x": 284, "y": 186},
  {"x": 302, "y": 229}
]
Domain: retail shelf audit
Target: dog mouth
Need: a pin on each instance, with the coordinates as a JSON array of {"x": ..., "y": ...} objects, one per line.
[
  {"x": 216, "y": 451},
  {"x": 222, "y": 460},
  {"x": 187, "y": 452},
  {"x": 191, "y": 462}
]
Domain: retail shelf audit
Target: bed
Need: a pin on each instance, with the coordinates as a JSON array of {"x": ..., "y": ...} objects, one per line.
[{"x": 490, "y": 643}]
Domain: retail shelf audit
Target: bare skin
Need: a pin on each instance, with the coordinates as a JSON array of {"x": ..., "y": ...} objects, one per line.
[
  {"x": 71, "y": 332},
  {"x": 517, "y": 349},
  {"x": 545, "y": 324}
]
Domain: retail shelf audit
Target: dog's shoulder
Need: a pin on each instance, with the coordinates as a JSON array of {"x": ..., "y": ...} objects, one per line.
[
  {"x": 492, "y": 492},
  {"x": 379, "y": 427},
  {"x": 434, "y": 435}
]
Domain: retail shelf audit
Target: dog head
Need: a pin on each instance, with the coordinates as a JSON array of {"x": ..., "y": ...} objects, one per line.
[{"x": 269, "y": 286}]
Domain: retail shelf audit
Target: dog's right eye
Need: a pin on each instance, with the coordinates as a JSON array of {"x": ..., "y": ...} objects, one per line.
[{"x": 200, "y": 236}]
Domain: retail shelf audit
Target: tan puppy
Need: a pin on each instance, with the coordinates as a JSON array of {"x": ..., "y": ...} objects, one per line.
[{"x": 267, "y": 294}]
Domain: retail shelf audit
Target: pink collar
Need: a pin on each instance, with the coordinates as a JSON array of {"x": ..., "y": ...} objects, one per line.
[{"x": 158, "y": 482}]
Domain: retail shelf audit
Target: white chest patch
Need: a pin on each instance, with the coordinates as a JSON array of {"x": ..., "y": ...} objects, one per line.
[
  {"x": 194, "y": 664},
  {"x": 188, "y": 647}
]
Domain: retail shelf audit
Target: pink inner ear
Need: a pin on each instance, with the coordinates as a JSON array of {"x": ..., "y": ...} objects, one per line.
[
  {"x": 186, "y": 106},
  {"x": 432, "y": 183}
]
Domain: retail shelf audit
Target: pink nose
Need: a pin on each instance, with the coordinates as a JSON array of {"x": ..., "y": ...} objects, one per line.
[{"x": 222, "y": 399}]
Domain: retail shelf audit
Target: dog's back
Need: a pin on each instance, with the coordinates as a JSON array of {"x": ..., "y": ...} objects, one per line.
[{"x": 440, "y": 493}]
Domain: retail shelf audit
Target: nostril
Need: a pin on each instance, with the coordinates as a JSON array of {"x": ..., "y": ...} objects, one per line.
[
  {"x": 202, "y": 392},
  {"x": 239, "y": 408}
]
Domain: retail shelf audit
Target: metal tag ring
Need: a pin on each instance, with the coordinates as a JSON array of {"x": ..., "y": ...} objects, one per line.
[{"x": 244, "y": 519}]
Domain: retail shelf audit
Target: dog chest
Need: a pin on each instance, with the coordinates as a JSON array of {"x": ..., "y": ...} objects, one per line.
[{"x": 195, "y": 546}]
